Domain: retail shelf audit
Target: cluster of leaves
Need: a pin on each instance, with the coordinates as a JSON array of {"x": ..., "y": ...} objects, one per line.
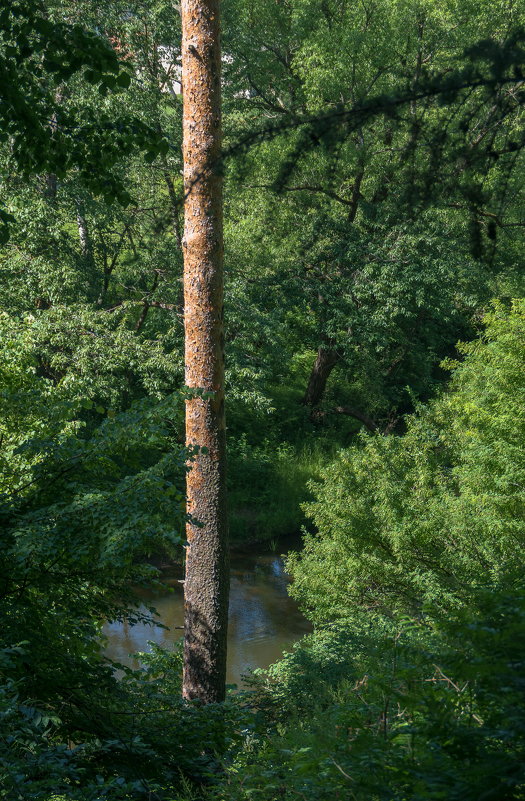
[
  {"x": 381, "y": 205},
  {"x": 408, "y": 65},
  {"x": 424, "y": 517},
  {"x": 110, "y": 739},
  {"x": 40, "y": 55}
]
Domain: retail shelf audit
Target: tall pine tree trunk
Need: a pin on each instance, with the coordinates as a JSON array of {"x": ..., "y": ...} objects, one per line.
[{"x": 207, "y": 575}]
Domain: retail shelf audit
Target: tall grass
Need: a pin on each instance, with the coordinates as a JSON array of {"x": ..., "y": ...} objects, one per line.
[{"x": 267, "y": 485}]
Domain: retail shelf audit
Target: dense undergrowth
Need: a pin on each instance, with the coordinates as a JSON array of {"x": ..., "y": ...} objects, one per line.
[
  {"x": 269, "y": 484},
  {"x": 399, "y": 710},
  {"x": 409, "y": 689}
]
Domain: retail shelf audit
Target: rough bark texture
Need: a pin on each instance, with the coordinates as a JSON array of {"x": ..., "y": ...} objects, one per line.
[{"x": 207, "y": 577}]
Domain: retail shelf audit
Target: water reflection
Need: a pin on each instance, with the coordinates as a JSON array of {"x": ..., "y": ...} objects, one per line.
[{"x": 263, "y": 620}]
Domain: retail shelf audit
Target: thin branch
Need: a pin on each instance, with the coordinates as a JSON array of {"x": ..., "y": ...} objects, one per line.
[{"x": 307, "y": 188}]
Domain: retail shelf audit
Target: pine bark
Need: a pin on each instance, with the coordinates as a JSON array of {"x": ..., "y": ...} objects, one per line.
[{"x": 207, "y": 573}]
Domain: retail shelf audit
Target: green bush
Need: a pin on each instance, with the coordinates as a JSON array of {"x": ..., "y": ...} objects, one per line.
[
  {"x": 395, "y": 712},
  {"x": 423, "y": 518},
  {"x": 411, "y": 687}
]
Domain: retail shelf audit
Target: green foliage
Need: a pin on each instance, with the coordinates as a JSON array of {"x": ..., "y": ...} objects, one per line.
[
  {"x": 395, "y": 711},
  {"x": 378, "y": 212},
  {"x": 83, "y": 506},
  {"x": 404, "y": 521},
  {"x": 132, "y": 738},
  {"x": 268, "y": 484},
  {"x": 39, "y": 54},
  {"x": 411, "y": 687},
  {"x": 361, "y": 228},
  {"x": 87, "y": 494}
]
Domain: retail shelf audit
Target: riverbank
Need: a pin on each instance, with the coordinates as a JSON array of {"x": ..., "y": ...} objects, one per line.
[{"x": 267, "y": 487}]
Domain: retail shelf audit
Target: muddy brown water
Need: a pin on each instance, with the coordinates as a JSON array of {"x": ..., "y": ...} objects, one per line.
[{"x": 263, "y": 620}]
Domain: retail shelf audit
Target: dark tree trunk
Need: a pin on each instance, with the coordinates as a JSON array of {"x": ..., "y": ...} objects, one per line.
[
  {"x": 207, "y": 573},
  {"x": 325, "y": 362},
  {"x": 50, "y": 190},
  {"x": 174, "y": 205}
]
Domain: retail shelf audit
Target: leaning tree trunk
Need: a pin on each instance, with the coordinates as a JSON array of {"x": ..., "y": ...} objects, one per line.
[
  {"x": 325, "y": 362},
  {"x": 207, "y": 577}
]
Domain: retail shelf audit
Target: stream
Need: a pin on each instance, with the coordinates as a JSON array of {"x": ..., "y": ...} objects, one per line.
[{"x": 263, "y": 620}]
